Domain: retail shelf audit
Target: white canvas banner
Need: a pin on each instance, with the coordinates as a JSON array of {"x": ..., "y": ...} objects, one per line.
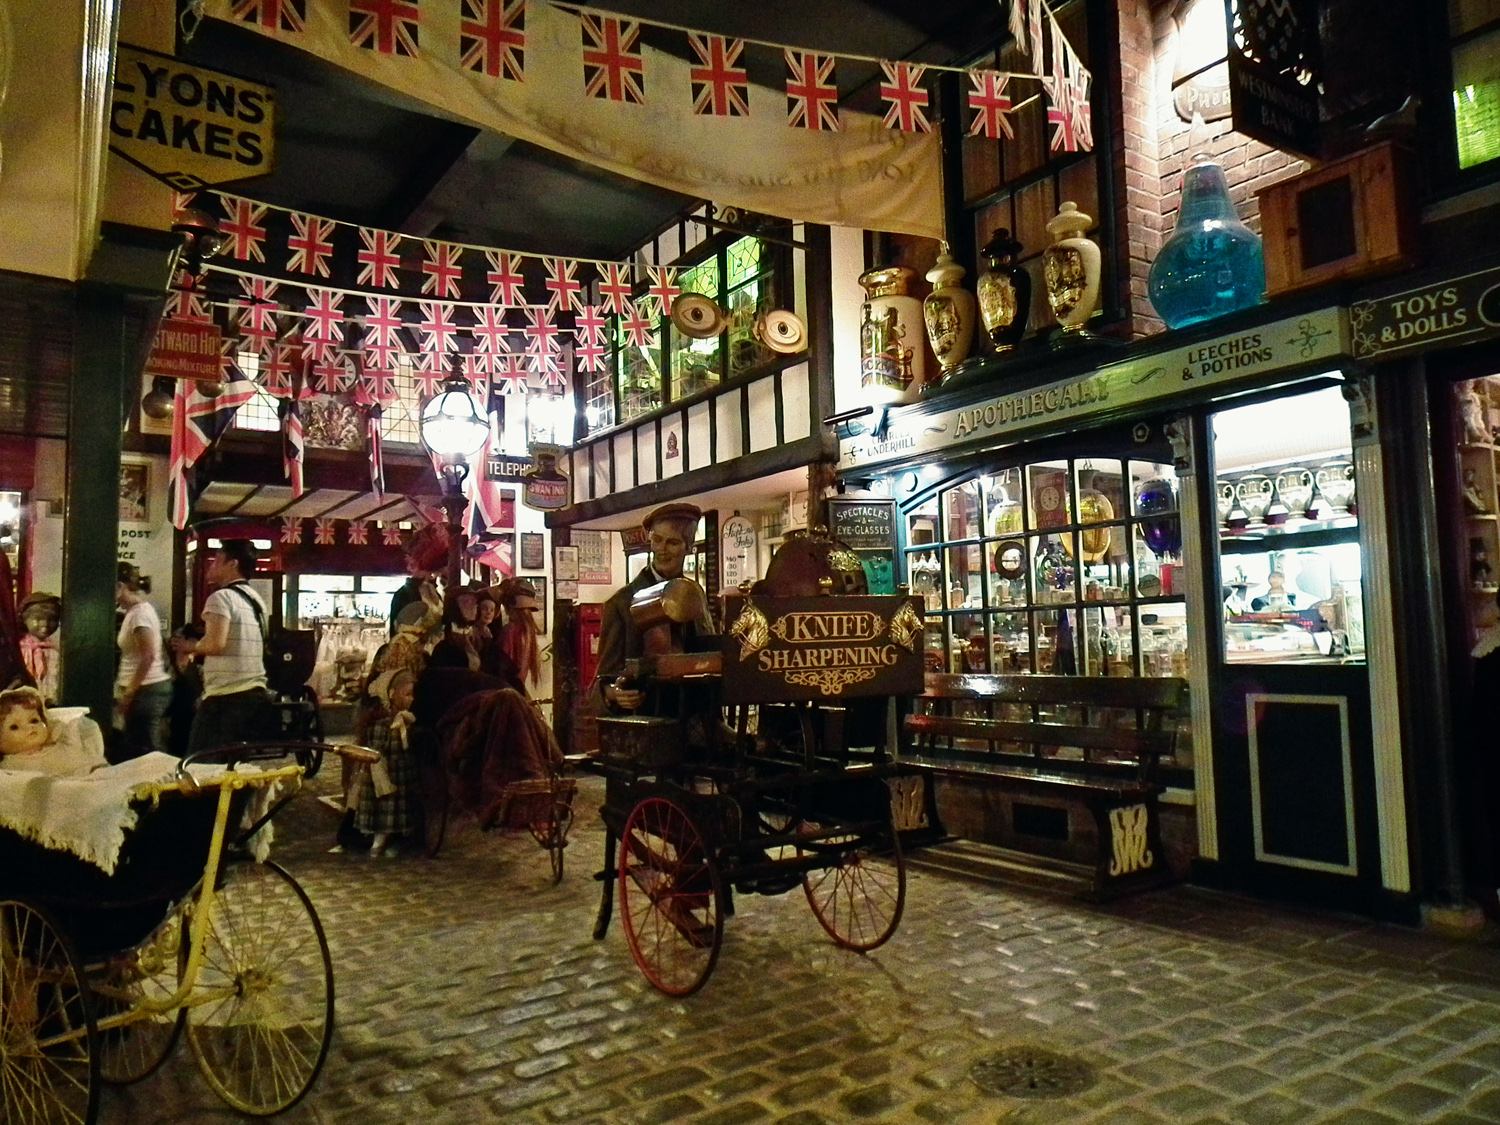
[{"x": 864, "y": 176}]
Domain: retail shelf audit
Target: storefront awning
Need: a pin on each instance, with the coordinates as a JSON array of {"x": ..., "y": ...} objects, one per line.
[{"x": 274, "y": 501}]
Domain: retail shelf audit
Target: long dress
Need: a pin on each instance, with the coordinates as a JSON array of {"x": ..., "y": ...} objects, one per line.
[{"x": 400, "y": 811}]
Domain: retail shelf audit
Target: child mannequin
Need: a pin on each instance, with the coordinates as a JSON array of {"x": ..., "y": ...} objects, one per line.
[
  {"x": 29, "y": 742},
  {"x": 40, "y": 614},
  {"x": 386, "y": 795}
]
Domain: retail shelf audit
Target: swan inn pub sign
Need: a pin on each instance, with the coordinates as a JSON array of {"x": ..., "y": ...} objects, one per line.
[{"x": 1296, "y": 341}]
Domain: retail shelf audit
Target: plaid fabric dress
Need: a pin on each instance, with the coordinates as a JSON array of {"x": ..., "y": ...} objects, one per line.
[{"x": 399, "y": 813}]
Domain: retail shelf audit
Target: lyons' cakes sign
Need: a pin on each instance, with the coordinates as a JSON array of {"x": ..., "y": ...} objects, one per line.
[{"x": 784, "y": 649}]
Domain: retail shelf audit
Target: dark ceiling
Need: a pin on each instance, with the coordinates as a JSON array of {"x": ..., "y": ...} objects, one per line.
[{"x": 357, "y": 152}]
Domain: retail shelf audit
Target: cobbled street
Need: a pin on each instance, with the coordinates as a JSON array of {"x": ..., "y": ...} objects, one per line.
[{"x": 470, "y": 990}]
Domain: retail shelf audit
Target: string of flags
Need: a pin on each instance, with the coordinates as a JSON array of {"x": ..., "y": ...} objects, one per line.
[
  {"x": 357, "y": 532},
  {"x": 492, "y": 43}
]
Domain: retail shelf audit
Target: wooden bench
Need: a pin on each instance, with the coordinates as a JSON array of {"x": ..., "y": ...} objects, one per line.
[{"x": 1063, "y": 742}]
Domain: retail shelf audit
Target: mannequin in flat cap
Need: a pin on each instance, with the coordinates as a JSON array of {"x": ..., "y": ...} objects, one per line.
[{"x": 670, "y": 530}]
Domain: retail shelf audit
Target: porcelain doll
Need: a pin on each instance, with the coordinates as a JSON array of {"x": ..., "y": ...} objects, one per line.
[
  {"x": 29, "y": 741},
  {"x": 1471, "y": 411}
]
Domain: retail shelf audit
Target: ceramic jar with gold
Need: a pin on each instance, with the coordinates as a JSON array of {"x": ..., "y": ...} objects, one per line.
[
  {"x": 892, "y": 358},
  {"x": 1070, "y": 268},
  {"x": 949, "y": 313},
  {"x": 1004, "y": 292}
]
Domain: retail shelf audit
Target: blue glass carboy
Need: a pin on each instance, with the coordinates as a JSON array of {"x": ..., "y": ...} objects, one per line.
[{"x": 1212, "y": 264}]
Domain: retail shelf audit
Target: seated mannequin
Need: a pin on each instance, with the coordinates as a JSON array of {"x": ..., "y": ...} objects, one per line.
[{"x": 66, "y": 744}]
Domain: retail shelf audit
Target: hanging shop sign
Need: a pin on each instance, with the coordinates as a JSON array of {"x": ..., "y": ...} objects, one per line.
[
  {"x": 508, "y": 468},
  {"x": 863, "y": 525},
  {"x": 635, "y": 539},
  {"x": 1462, "y": 309},
  {"x": 186, "y": 349},
  {"x": 546, "y": 487},
  {"x": 189, "y": 126},
  {"x": 1273, "y": 73},
  {"x": 1283, "y": 344},
  {"x": 737, "y": 543}
]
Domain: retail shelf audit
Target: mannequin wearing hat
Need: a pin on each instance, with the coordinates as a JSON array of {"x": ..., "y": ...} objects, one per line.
[
  {"x": 670, "y": 531},
  {"x": 40, "y": 616}
]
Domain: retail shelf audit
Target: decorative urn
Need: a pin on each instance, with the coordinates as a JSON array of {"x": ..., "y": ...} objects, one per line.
[
  {"x": 1004, "y": 292},
  {"x": 1071, "y": 269},
  {"x": 1157, "y": 499},
  {"x": 892, "y": 358},
  {"x": 949, "y": 312}
]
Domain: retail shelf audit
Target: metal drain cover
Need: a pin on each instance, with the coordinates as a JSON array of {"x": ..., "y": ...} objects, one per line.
[{"x": 1031, "y": 1072}]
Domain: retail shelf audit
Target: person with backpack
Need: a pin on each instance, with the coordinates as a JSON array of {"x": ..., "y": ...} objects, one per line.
[{"x": 235, "y": 706}]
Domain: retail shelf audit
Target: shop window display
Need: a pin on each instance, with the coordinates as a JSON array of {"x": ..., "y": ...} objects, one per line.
[{"x": 1477, "y": 449}]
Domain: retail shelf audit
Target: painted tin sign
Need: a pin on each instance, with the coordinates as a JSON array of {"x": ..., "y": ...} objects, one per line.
[
  {"x": 1456, "y": 310},
  {"x": 1293, "y": 342},
  {"x": 186, "y": 349},
  {"x": 863, "y": 525},
  {"x": 831, "y": 648}
]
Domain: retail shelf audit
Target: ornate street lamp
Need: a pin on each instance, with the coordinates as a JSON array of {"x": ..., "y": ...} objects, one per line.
[{"x": 454, "y": 430}]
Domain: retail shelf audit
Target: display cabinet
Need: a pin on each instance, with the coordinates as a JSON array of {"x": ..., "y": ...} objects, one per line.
[{"x": 1477, "y": 421}]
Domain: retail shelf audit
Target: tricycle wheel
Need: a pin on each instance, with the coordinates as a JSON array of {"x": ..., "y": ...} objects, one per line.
[
  {"x": 132, "y": 1052},
  {"x": 670, "y": 897},
  {"x": 552, "y": 834},
  {"x": 261, "y": 1039},
  {"x": 49, "y": 1059},
  {"x": 859, "y": 897}
]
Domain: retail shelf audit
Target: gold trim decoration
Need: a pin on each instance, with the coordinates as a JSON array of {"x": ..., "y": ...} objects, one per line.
[
  {"x": 906, "y": 627},
  {"x": 751, "y": 629},
  {"x": 830, "y": 681}
]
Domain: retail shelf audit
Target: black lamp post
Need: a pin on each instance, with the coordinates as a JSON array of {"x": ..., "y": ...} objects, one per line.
[{"x": 454, "y": 430}]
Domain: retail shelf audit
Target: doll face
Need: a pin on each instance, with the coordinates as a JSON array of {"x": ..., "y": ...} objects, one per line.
[
  {"x": 486, "y": 611},
  {"x": 468, "y": 605},
  {"x": 402, "y": 694},
  {"x": 22, "y": 730},
  {"x": 40, "y": 621}
]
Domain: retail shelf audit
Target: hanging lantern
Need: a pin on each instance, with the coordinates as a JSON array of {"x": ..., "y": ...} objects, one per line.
[{"x": 1093, "y": 507}]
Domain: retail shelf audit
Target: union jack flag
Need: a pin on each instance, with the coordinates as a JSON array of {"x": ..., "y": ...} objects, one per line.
[
  {"x": 907, "y": 97},
  {"x": 991, "y": 105},
  {"x": 438, "y": 326},
  {"x": 443, "y": 268},
  {"x": 588, "y": 338},
  {"x": 662, "y": 290},
  {"x": 258, "y": 310},
  {"x": 378, "y": 384},
  {"x": 812, "y": 95},
  {"x": 185, "y": 301},
  {"x": 1034, "y": 34},
  {"x": 197, "y": 422},
  {"x": 386, "y": 26},
  {"x": 427, "y": 374},
  {"x": 325, "y": 327},
  {"x": 276, "y": 371},
  {"x": 379, "y": 258},
  {"x": 324, "y": 531},
  {"x": 331, "y": 375},
  {"x": 506, "y": 279},
  {"x": 390, "y": 534},
  {"x": 490, "y": 330},
  {"x": 614, "y": 287},
  {"x": 293, "y": 446},
  {"x": 382, "y": 323},
  {"x": 243, "y": 226},
  {"x": 541, "y": 335},
  {"x": 357, "y": 533},
  {"x": 612, "y": 65},
  {"x": 1018, "y": 22},
  {"x": 311, "y": 244},
  {"x": 1062, "y": 98},
  {"x": 637, "y": 326},
  {"x": 566, "y": 292},
  {"x": 1083, "y": 114},
  {"x": 291, "y": 530},
  {"x": 477, "y": 372},
  {"x": 277, "y": 15},
  {"x": 492, "y": 37},
  {"x": 509, "y": 376},
  {"x": 486, "y": 504},
  {"x": 721, "y": 88}
]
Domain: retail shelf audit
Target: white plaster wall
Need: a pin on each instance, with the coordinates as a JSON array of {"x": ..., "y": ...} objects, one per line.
[{"x": 848, "y": 262}]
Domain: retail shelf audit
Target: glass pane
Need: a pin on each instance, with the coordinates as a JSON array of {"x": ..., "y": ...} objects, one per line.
[
  {"x": 746, "y": 305},
  {"x": 744, "y": 261},
  {"x": 1476, "y": 99},
  {"x": 1002, "y": 503},
  {"x": 1106, "y": 479},
  {"x": 702, "y": 278},
  {"x": 695, "y": 364},
  {"x": 966, "y": 646},
  {"x": 934, "y": 654},
  {"x": 921, "y": 523},
  {"x": 1051, "y": 506},
  {"x": 1163, "y": 633},
  {"x": 965, "y": 583},
  {"x": 1080, "y": 183},
  {"x": 1107, "y": 647},
  {"x": 1008, "y": 571},
  {"x": 961, "y": 512},
  {"x": 981, "y": 167},
  {"x": 1106, "y": 576},
  {"x": 1052, "y": 569},
  {"x": 1056, "y": 642},
  {"x": 1011, "y": 645},
  {"x": 924, "y": 573},
  {"x": 1034, "y": 206}
]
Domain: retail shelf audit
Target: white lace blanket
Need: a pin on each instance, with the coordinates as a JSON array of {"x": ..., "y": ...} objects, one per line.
[{"x": 89, "y": 816}]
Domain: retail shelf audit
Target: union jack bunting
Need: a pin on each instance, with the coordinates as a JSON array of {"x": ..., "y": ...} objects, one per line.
[
  {"x": 378, "y": 384},
  {"x": 311, "y": 244},
  {"x": 541, "y": 337},
  {"x": 379, "y": 258},
  {"x": 276, "y": 371},
  {"x": 197, "y": 422},
  {"x": 1018, "y": 22},
  {"x": 357, "y": 533},
  {"x": 426, "y": 374},
  {"x": 637, "y": 327},
  {"x": 331, "y": 375},
  {"x": 293, "y": 446},
  {"x": 492, "y": 38},
  {"x": 477, "y": 373},
  {"x": 325, "y": 322},
  {"x": 382, "y": 323},
  {"x": 812, "y": 96},
  {"x": 390, "y": 534},
  {"x": 721, "y": 88},
  {"x": 662, "y": 290},
  {"x": 1038, "y": 45},
  {"x": 376, "y": 439},
  {"x": 324, "y": 531},
  {"x": 258, "y": 309},
  {"x": 438, "y": 326},
  {"x": 906, "y": 98},
  {"x": 243, "y": 226},
  {"x": 185, "y": 300},
  {"x": 278, "y": 15},
  {"x": 291, "y": 530},
  {"x": 509, "y": 376},
  {"x": 614, "y": 287},
  {"x": 490, "y": 331},
  {"x": 1062, "y": 97},
  {"x": 386, "y": 26},
  {"x": 566, "y": 292},
  {"x": 443, "y": 270},
  {"x": 991, "y": 105},
  {"x": 588, "y": 338},
  {"x": 612, "y": 65},
  {"x": 505, "y": 278},
  {"x": 1083, "y": 116}
]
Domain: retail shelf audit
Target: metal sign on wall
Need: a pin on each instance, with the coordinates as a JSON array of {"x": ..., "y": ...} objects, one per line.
[
  {"x": 186, "y": 349},
  {"x": 1273, "y": 72},
  {"x": 188, "y": 126},
  {"x": 1462, "y": 309}
]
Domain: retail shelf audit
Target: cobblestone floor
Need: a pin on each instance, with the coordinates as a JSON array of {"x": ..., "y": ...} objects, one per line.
[{"x": 469, "y": 990}]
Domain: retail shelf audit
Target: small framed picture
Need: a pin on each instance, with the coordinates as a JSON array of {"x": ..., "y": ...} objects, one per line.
[
  {"x": 135, "y": 493},
  {"x": 533, "y": 550},
  {"x": 565, "y": 564}
]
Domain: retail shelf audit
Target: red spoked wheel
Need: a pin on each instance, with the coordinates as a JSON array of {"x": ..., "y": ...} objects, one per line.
[
  {"x": 858, "y": 898},
  {"x": 670, "y": 897}
]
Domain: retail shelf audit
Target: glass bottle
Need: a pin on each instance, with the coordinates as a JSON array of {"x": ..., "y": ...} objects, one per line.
[
  {"x": 1212, "y": 264},
  {"x": 1004, "y": 292}
]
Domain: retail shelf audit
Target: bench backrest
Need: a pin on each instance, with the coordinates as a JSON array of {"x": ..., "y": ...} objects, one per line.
[{"x": 1046, "y": 713}]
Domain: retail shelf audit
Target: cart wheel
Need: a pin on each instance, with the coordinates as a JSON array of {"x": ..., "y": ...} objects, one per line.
[
  {"x": 311, "y": 761},
  {"x": 670, "y": 897},
  {"x": 132, "y": 1052},
  {"x": 859, "y": 897},
  {"x": 553, "y": 835},
  {"x": 49, "y": 1059},
  {"x": 261, "y": 1039}
]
